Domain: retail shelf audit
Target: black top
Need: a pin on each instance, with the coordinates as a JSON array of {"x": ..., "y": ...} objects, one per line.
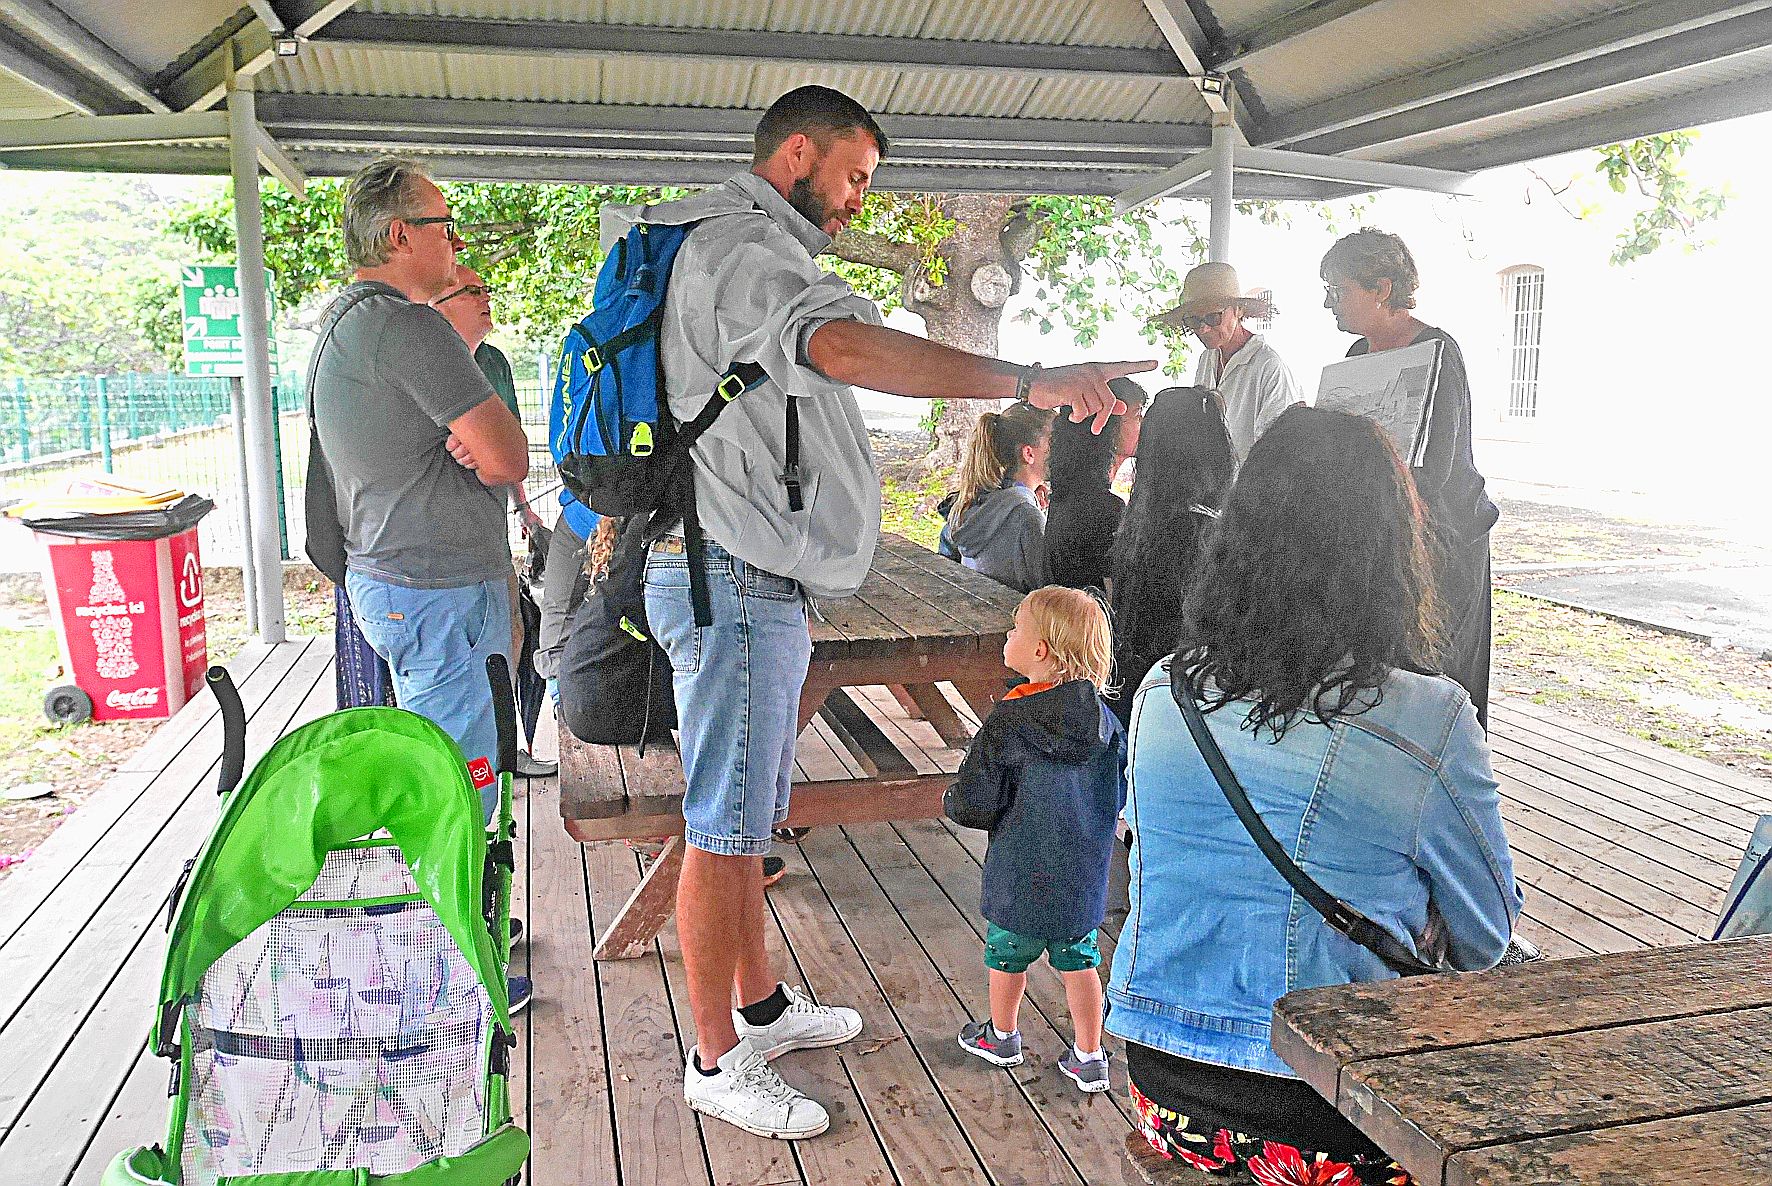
[
  {"x": 1080, "y": 538},
  {"x": 1451, "y": 488}
]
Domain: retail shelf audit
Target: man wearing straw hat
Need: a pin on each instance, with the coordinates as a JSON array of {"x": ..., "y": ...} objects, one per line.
[{"x": 1254, "y": 380}]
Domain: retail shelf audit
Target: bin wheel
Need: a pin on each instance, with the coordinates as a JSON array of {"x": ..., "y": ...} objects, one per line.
[{"x": 67, "y": 705}]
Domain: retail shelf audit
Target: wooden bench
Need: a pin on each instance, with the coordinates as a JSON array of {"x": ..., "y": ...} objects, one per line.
[
  {"x": 849, "y": 769},
  {"x": 920, "y": 624}
]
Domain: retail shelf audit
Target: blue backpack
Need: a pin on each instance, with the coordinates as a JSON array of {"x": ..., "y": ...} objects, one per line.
[{"x": 618, "y": 449}]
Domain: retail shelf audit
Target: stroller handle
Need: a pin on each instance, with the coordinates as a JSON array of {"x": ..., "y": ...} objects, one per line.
[
  {"x": 504, "y": 709},
  {"x": 233, "y": 713}
]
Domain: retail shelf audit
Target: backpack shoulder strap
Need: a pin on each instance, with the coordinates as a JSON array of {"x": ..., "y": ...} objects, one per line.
[
  {"x": 335, "y": 313},
  {"x": 1338, "y": 914}
]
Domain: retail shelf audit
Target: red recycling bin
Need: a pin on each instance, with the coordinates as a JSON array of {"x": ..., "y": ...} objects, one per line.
[
  {"x": 129, "y": 616},
  {"x": 125, "y": 580}
]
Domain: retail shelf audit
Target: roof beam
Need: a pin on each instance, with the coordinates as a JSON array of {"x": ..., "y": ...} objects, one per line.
[
  {"x": 104, "y": 131},
  {"x": 277, "y": 163},
  {"x": 1335, "y": 168},
  {"x": 1565, "y": 46},
  {"x": 204, "y": 83},
  {"x": 23, "y": 58},
  {"x": 1176, "y": 21},
  {"x": 54, "y": 28},
  {"x": 1696, "y": 47},
  {"x": 647, "y": 126},
  {"x": 553, "y": 38},
  {"x": 1300, "y": 22},
  {"x": 1730, "y": 100},
  {"x": 1163, "y": 184}
]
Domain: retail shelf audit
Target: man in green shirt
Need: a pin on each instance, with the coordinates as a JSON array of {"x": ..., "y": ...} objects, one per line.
[{"x": 467, "y": 305}]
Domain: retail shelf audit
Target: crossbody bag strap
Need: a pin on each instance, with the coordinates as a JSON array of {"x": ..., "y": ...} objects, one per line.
[
  {"x": 1338, "y": 914},
  {"x": 334, "y": 315}
]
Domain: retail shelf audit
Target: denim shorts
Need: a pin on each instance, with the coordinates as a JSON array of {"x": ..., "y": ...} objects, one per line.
[
  {"x": 436, "y": 642},
  {"x": 737, "y": 684},
  {"x": 1012, "y": 952}
]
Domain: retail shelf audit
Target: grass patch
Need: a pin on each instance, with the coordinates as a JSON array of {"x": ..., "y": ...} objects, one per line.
[
  {"x": 908, "y": 506},
  {"x": 1677, "y": 692}
]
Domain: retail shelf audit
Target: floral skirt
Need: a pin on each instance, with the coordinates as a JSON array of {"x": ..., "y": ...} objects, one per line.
[{"x": 1221, "y": 1152}]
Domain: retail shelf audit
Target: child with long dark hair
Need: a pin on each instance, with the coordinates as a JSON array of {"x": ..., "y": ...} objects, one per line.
[
  {"x": 1083, "y": 512},
  {"x": 1185, "y": 464},
  {"x": 996, "y": 522}
]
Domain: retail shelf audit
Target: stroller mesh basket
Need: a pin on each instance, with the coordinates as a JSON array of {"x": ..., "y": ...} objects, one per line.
[{"x": 334, "y": 997}]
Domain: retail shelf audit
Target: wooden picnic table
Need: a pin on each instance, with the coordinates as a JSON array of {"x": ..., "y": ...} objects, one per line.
[
  {"x": 1640, "y": 1067},
  {"x": 918, "y": 621}
]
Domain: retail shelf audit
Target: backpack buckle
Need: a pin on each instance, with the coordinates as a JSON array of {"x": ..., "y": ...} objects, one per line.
[
  {"x": 640, "y": 440},
  {"x": 731, "y": 387},
  {"x": 593, "y": 360}
]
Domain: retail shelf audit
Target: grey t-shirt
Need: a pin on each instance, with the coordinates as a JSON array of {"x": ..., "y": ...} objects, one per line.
[{"x": 391, "y": 378}]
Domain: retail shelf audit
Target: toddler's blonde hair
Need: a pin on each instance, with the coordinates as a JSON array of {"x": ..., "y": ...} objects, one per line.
[{"x": 1076, "y": 630}]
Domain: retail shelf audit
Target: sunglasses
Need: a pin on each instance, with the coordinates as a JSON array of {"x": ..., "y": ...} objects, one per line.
[
  {"x": 1209, "y": 321},
  {"x": 447, "y": 222},
  {"x": 484, "y": 290}
]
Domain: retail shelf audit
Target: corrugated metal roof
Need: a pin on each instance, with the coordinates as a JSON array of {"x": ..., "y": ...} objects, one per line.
[
  {"x": 592, "y": 100},
  {"x": 21, "y": 100}
]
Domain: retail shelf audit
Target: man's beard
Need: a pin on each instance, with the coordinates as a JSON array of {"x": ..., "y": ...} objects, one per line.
[{"x": 803, "y": 198}]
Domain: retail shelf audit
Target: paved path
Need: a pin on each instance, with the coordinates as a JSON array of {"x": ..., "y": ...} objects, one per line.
[{"x": 1731, "y": 603}]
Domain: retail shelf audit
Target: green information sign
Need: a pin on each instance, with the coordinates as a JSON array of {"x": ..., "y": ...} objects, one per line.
[{"x": 214, "y": 344}]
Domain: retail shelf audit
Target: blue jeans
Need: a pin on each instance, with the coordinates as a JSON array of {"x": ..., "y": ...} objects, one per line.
[
  {"x": 737, "y": 686},
  {"x": 437, "y": 641}
]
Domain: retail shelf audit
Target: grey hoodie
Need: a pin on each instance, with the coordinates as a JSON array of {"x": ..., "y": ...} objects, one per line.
[
  {"x": 1003, "y": 535},
  {"x": 744, "y": 288}
]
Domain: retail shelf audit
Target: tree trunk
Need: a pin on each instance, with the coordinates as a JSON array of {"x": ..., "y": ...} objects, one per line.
[{"x": 953, "y": 313}]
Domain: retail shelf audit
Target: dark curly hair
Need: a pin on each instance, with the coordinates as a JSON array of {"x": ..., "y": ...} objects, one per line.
[
  {"x": 1184, "y": 461},
  {"x": 1317, "y": 582}
]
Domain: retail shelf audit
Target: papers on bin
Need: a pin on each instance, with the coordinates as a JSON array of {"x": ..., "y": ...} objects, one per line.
[{"x": 99, "y": 506}]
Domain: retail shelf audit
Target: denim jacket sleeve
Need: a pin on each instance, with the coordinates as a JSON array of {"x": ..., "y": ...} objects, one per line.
[
  {"x": 1462, "y": 848},
  {"x": 981, "y": 792}
]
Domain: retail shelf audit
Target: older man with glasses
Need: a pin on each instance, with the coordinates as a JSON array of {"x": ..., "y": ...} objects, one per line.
[
  {"x": 1238, "y": 363},
  {"x": 419, "y": 449}
]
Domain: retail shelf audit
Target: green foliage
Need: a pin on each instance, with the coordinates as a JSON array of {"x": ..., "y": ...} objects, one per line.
[
  {"x": 84, "y": 262},
  {"x": 536, "y": 245},
  {"x": 932, "y": 415},
  {"x": 1089, "y": 267},
  {"x": 1675, "y": 208}
]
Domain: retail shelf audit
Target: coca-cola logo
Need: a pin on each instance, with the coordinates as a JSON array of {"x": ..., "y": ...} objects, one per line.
[{"x": 134, "y": 698}]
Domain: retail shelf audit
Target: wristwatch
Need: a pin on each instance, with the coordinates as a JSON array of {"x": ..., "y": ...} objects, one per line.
[{"x": 1024, "y": 380}]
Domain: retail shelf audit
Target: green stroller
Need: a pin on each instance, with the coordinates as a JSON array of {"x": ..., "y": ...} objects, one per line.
[{"x": 334, "y": 998}]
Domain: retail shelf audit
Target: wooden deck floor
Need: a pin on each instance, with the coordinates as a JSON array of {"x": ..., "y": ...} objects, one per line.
[{"x": 1621, "y": 843}]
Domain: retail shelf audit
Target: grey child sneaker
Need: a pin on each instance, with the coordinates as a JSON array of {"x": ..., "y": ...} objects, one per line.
[
  {"x": 1088, "y": 1074},
  {"x": 977, "y": 1037}
]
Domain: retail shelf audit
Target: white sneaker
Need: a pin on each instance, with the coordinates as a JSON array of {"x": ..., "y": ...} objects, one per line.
[
  {"x": 748, "y": 1093},
  {"x": 804, "y": 1025}
]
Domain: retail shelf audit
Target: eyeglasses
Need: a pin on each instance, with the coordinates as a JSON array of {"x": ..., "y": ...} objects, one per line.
[
  {"x": 1210, "y": 320},
  {"x": 484, "y": 290},
  {"x": 447, "y": 222},
  {"x": 1332, "y": 293}
]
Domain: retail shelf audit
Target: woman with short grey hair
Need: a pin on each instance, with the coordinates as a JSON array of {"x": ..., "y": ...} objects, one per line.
[{"x": 1369, "y": 282}]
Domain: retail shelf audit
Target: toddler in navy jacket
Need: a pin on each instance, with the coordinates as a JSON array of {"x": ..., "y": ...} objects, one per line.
[{"x": 1046, "y": 777}]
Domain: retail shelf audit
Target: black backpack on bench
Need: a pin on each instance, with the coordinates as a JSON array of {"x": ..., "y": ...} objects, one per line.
[{"x": 615, "y": 680}]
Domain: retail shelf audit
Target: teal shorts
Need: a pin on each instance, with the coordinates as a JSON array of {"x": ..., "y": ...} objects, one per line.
[{"x": 1009, "y": 952}]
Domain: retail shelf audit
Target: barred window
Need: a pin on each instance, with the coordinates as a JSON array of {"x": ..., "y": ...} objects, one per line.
[{"x": 1524, "y": 290}]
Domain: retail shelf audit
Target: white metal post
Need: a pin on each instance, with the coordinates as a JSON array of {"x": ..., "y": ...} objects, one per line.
[
  {"x": 1223, "y": 151},
  {"x": 261, "y": 452},
  {"x": 248, "y": 567}
]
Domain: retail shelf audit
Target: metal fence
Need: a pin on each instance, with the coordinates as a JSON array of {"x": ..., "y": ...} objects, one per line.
[{"x": 169, "y": 430}]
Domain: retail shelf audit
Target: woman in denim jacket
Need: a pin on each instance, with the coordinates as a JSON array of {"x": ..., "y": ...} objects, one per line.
[{"x": 1309, "y": 635}]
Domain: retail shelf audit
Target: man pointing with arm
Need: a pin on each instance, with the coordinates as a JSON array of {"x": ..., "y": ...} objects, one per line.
[{"x": 744, "y": 288}]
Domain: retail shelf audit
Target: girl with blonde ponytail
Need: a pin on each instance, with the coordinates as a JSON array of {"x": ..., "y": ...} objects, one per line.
[{"x": 996, "y": 523}]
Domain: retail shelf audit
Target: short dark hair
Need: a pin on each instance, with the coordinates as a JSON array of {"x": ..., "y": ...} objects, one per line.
[
  {"x": 820, "y": 113},
  {"x": 1370, "y": 255}
]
